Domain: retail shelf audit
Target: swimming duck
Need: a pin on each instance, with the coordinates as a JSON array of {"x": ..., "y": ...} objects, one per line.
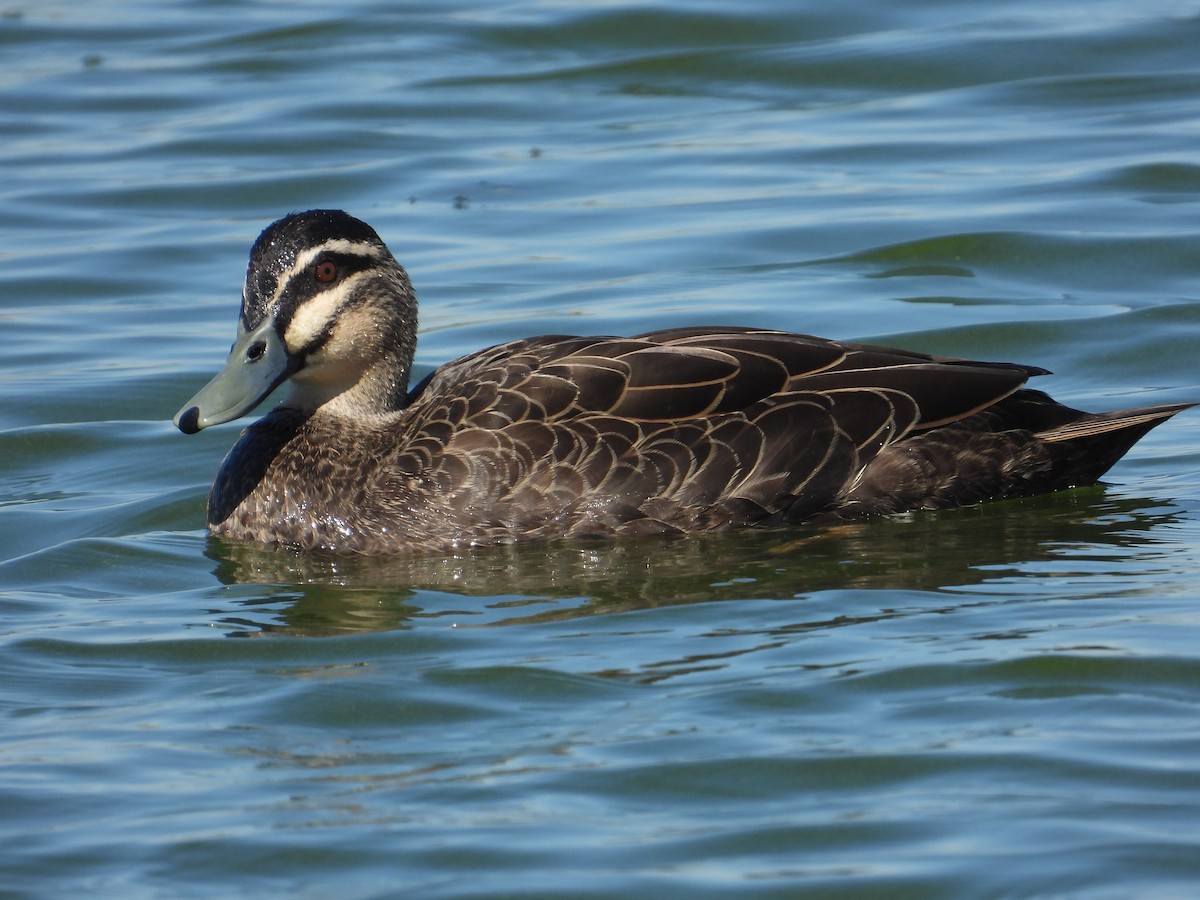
[{"x": 682, "y": 430}]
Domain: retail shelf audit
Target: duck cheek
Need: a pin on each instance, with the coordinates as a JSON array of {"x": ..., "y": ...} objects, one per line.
[{"x": 322, "y": 377}]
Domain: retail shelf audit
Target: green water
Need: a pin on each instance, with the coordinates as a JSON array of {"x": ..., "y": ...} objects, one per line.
[{"x": 998, "y": 701}]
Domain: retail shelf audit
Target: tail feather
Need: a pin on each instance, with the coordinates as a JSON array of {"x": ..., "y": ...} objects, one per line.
[
  {"x": 976, "y": 461},
  {"x": 1083, "y": 450},
  {"x": 1102, "y": 423}
]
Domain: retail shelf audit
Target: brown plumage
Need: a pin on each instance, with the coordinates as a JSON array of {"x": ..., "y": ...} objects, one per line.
[{"x": 682, "y": 430}]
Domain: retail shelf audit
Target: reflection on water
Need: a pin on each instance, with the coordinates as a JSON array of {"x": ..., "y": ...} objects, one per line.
[{"x": 547, "y": 582}]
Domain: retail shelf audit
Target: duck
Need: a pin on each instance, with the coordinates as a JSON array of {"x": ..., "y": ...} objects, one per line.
[{"x": 676, "y": 431}]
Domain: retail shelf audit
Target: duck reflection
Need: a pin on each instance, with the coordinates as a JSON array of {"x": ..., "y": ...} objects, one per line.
[{"x": 524, "y": 583}]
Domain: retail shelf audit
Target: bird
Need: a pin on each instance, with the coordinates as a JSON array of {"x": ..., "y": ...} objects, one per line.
[{"x": 676, "y": 431}]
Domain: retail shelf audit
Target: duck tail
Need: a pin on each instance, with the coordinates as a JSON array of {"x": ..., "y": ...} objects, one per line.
[
  {"x": 992, "y": 456},
  {"x": 1083, "y": 450}
]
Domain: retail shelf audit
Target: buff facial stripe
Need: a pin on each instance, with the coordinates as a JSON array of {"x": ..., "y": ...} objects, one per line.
[
  {"x": 313, "y": 318},
  {"x": 304, "y": 259}
]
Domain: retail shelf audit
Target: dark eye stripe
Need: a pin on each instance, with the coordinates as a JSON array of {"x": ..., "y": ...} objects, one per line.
[{"x": 302, "y": 287}]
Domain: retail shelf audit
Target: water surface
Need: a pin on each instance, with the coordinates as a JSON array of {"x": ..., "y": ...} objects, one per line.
[{"x": 993, "y": 701}]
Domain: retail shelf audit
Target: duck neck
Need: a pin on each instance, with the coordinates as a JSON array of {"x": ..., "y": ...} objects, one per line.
[{"x": 377, "y": 391}]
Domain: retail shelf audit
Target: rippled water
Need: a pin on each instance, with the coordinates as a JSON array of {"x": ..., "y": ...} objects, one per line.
[{"x": 994, "y": 701}]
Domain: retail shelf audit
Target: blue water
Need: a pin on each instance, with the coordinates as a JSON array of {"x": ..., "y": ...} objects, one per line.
[{"x": 1003, "y": 700}]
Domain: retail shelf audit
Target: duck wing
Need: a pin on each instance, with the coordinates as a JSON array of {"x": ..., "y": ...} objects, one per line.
[
  {"x": 680, "y": 429},
  {"x": 686, "y": 373}
]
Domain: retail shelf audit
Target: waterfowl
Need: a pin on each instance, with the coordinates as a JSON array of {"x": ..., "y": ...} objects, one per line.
[{"x": 682, "y": 430}]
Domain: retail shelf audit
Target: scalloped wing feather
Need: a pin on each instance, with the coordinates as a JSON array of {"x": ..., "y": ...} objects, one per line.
[{"x": 677, "y": 427}]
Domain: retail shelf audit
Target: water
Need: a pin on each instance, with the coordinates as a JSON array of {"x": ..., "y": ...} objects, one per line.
[{"x": 994, "y": 701}]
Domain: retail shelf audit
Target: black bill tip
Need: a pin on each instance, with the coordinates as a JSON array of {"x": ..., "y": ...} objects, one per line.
[{"x": 188, "y": 421}]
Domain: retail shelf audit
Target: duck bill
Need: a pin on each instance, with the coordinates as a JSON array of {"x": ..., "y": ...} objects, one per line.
[{"x": 257, "y": 364}]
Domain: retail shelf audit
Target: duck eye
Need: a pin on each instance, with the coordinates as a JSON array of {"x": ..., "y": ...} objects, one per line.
[
  {"x": 256, "y": 350},
  {"x": 325, "y": 271}
]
